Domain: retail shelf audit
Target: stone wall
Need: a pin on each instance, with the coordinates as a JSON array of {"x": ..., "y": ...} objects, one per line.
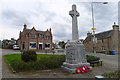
[
  {"x": 88, "y": 46},
  {"x": 106, "y": 44},
  {"x": 115, "y": 38},
  {"x": 119, "y": 43},
  {"x": 102, "y": 45}
]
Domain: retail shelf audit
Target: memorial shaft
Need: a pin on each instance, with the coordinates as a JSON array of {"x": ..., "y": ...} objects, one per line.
[
  {"x": 74, "y": 14},
  {"x": 74, "y": 28}
]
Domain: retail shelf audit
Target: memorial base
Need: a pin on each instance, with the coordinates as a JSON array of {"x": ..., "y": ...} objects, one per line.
[{"x": 71, "y": 68}]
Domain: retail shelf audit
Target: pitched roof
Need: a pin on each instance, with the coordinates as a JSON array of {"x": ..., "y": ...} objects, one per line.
[
  {"x": 40, "y": 32},
  {"x": 101, "y": 35}
]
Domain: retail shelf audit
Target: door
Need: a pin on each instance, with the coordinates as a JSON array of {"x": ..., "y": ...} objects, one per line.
[
  {"x": 23, "y": 46},
  {"x": 40, "y": 46}
]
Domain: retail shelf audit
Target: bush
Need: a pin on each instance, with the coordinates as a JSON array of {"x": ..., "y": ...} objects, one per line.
[
  {"x": 92, "y": 58},
  {"x": 29, "y": 56},
  {"x": 43, "y": 63}
]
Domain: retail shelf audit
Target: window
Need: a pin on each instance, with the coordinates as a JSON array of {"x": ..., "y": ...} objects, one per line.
[
  {"x": 102, "y": 41},
  {"x": 103, "y": 48},
  {"x": 43, "y": 36},
  {"x": 32, "y": 45},
  {"x": 47, "y": 45},
  {"x": 40, "y": 36},
  {"x": 47, "y": 37},
  {"x": 32, "y": 35}
]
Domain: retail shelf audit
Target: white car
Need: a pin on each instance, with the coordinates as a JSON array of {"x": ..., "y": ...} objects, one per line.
[{"x": 16, "y": 47}]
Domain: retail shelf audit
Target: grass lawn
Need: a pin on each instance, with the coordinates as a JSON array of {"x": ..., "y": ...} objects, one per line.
[
  {"x": 115, "y": 74},
  {"x": 43, "y": 62}
]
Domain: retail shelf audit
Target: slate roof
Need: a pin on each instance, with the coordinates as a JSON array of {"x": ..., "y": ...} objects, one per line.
[
  {"x": 101, "y": 35},
  {"x": 40, "y": 32}
]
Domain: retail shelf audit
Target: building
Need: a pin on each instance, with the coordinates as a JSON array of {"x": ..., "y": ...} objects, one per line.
[
  {"x": 0, "y": 44},
  {"x": 8, "y": 44},
  {"x": 35, "y": 39},
  {"x": 106, "y": 41},
  {"x": 119, "y": 21}
]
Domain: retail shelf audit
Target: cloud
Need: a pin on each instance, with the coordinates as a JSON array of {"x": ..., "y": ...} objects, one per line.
[
  {"x": 45, "y": 14},
  {"x": 12, "y": 17},
  {"x": 104, "y": 17},
  {"x": 61, "y": 32}
]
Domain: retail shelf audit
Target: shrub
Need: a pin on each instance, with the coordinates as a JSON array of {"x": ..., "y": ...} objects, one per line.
[
  {"x": 29, "y": 56},
  {"x": 92, "y": 58},
  {"x": 47, "y": 62}
]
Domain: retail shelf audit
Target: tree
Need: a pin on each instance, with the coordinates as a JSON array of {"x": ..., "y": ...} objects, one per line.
[
  {"x": 8, "y": 43},
  {"x": 62, "y": 44},
  {"x": 0, "y": 44}
]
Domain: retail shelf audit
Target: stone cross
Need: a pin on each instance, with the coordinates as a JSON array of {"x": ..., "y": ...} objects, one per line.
[
  {"x": 75, "y": 51},
  {"x": 74, "y": 14}
]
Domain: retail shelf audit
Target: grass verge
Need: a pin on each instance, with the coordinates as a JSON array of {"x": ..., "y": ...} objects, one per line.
[{"x": 115, "y": 74}]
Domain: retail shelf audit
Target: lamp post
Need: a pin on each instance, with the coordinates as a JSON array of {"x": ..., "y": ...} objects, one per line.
[{"x": 94, "y": 39}]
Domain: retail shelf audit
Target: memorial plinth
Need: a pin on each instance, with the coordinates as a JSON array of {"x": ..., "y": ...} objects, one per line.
[{"x": 75, "y": 50}]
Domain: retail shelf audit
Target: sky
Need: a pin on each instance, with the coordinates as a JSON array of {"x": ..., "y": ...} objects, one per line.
[{"x": 54, "y": 14}]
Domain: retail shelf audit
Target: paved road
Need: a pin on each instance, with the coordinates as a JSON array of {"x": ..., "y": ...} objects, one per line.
[
  {"x": 0, "y": 63},
  {"x": 109, "y": 64},
  {"x": 10, "y": 51},
  {"x": 112, "y": 60}
]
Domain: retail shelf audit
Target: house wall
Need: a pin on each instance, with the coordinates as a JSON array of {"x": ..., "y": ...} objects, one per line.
[
  {"x": 102, "y": 45},
  {"x": 115, "y": 36},
  {"x": 106, "y": 44},
  {"x": 119, "y": 43},
  {"x": 25, "y": 40},
  {"x": 88, "y": 46}
]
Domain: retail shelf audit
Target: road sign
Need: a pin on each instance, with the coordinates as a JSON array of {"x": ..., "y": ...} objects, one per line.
[{"x": 93, "y": 28}]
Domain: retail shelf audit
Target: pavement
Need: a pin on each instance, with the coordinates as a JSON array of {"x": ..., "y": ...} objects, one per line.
[{"x": 109, "y": 64}]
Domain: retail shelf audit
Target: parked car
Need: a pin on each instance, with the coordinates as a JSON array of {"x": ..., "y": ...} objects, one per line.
[{"x": 16, "y": 47}]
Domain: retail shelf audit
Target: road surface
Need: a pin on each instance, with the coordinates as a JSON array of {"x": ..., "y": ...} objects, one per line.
[
  {"x": 111, "y": 60},
  {"x": 0, "y": 63}
]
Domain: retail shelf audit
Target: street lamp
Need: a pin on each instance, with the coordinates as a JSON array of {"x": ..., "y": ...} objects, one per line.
[{"x": 94, "y": 39}]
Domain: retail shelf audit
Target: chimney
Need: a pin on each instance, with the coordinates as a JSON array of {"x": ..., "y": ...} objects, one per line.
[
  {"x": 89, "y": 34},
  {"x": 115, "y": 37},
  {"x": 115, "y": 27},
  {"x": 20, "y": 34},
  {"x": 50, "y": 29},
  {"x": 25, "y": 26}
]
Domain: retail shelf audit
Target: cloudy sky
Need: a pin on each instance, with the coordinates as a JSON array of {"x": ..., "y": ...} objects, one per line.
[{"x": 45, "y": 14}]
